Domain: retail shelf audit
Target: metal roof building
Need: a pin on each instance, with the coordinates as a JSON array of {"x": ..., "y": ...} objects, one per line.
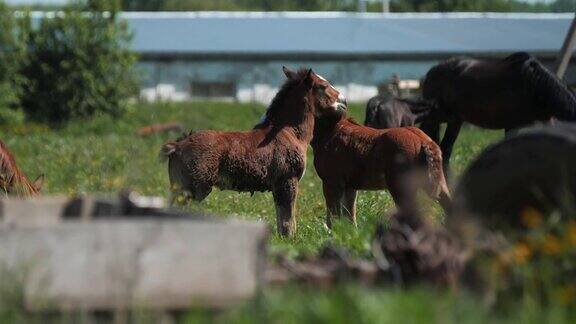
[
  {"x": 333, "y": 34},
  {"x": 238, "y": 55}
]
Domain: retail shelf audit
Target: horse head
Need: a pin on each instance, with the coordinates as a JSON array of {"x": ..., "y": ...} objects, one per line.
[{"x": 321, "y": 96}]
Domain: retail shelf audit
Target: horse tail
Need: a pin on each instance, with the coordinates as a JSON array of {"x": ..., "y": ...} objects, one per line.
[
  {"x": 171, "y": 152},
  {"x": 548, "y": 91},
  {"x": 432, "y": 157},
  {"x": 437, "y": 186},
  {"x": 12, "y": 178},
  {"x": 167, "y": 150}
]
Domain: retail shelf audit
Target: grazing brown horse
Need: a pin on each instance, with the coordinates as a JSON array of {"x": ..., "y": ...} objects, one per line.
[
  {"x": 496, "y": 94},
  {"x": 12, "y": 179},
  {"x": 349, "y": 157},
  {"x": 271, "y": 157}
]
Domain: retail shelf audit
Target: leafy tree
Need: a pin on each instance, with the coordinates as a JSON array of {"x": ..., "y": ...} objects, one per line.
[
  {"x": 143, "y": 5},
  {"x": 564, "y": 6},
  {"x": 333, "y": 5},
  {"x": 466, "y": 5},
  {"x": 11, "y": 59},
  {"x": 78, "y": 65}
]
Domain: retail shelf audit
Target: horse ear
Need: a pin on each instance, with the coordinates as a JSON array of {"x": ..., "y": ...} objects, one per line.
[
  {"x": 289, "y": 73},
  {"x": 309, "y": 80},
  {"x": 38, "y": 182}
]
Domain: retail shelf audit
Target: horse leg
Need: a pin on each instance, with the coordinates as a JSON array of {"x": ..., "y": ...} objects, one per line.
[
  {"x": 432, "y": 129},
  {"x": 333, "y": 194},
  {"x": 285, "y": 193},
  {"x": 450, "y": 136},
  {"x": 201, "y": 192},
  {"x": 350, "y": 204}
]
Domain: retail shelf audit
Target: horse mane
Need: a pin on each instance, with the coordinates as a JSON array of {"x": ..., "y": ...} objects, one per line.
[
  {"x": 549, "y": 92},
  {"x": 518, "y": 57},
  {"x": 276, "y": 102},
  {"x": 184, "y": 136},
  {"x": 11, "y": 175},
  {"x": 353, "y": 121}
]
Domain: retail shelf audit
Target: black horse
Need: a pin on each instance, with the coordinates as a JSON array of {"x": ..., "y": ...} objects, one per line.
[
  {"x": 385, "y": 111},
  {"x": 496, "y": 94}
]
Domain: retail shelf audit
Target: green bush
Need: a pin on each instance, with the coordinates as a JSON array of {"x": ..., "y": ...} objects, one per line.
[
  {"x": 79, "y": 64},
  {"x": 12, "y": 55}
]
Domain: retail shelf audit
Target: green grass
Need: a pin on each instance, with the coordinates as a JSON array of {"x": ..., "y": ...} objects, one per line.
[
  {"x": 355, "y": 304},
  {"x": 104, "y": 155}
]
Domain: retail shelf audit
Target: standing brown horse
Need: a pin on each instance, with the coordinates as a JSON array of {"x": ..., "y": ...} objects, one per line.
[
  {"x": 349, "y": 157},
  {"x": 271, "y": 157},
  {"x": 12, "y": 179}
]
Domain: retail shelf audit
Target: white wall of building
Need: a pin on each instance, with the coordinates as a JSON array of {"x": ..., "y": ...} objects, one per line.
[{"x": 259, "y": 81}]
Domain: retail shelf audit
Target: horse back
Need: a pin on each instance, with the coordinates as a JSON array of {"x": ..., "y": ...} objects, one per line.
[
  {"x": 487, "y": 93},
  {"x": 361, "y": 156},
  {"x": 241, "y": 161}
]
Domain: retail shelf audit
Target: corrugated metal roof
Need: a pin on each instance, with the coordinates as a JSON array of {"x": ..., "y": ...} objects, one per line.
[{"x": 348, "y": 34}]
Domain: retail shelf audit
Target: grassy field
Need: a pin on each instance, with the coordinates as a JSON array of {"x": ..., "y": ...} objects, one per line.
[{"x": 104, "y": 155}]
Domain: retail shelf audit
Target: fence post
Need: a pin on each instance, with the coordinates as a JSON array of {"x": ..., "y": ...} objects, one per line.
[{"x": 566, "y": 51}]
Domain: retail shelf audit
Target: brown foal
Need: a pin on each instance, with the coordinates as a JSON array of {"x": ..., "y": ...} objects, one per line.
[
  {"x": 271, "y": 157},
  {"x": 349, "y": 157}
]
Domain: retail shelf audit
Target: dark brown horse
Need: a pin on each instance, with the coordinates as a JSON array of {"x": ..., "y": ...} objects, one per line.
[
  {"x": 12, "y": 179},
  {"x": 271, "y": 157},
  {"x": 495, "y": 94},
  {"x": 349, "y": 157},
  {"x": 385, "y": 111}
]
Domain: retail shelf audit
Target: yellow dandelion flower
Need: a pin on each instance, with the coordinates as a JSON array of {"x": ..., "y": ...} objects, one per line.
[
  {"x": 117, "y": 182},
  {"x": 521, "y": 253},
  {"x": 551, "y": 245},
  {"x": 531, "y": 217}
]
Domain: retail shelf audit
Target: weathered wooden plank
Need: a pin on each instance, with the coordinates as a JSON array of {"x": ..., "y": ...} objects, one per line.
[
  {"x": 50, "y": 210},
  {"x": 106, "y": 265},
  {"x": 44, "y": 211}
]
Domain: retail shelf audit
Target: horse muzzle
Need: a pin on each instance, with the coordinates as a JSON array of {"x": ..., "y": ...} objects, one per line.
[{"x": 341, "y": 103}]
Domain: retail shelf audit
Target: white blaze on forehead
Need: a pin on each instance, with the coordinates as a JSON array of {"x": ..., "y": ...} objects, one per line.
[{"x": 324, "y": 79}]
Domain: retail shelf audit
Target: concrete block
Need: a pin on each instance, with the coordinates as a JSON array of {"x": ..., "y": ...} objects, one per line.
[
  {"x": 44, "y": 211},
  {"x": 117, "y": 264},
  {"x": 47, "y": 211}
]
